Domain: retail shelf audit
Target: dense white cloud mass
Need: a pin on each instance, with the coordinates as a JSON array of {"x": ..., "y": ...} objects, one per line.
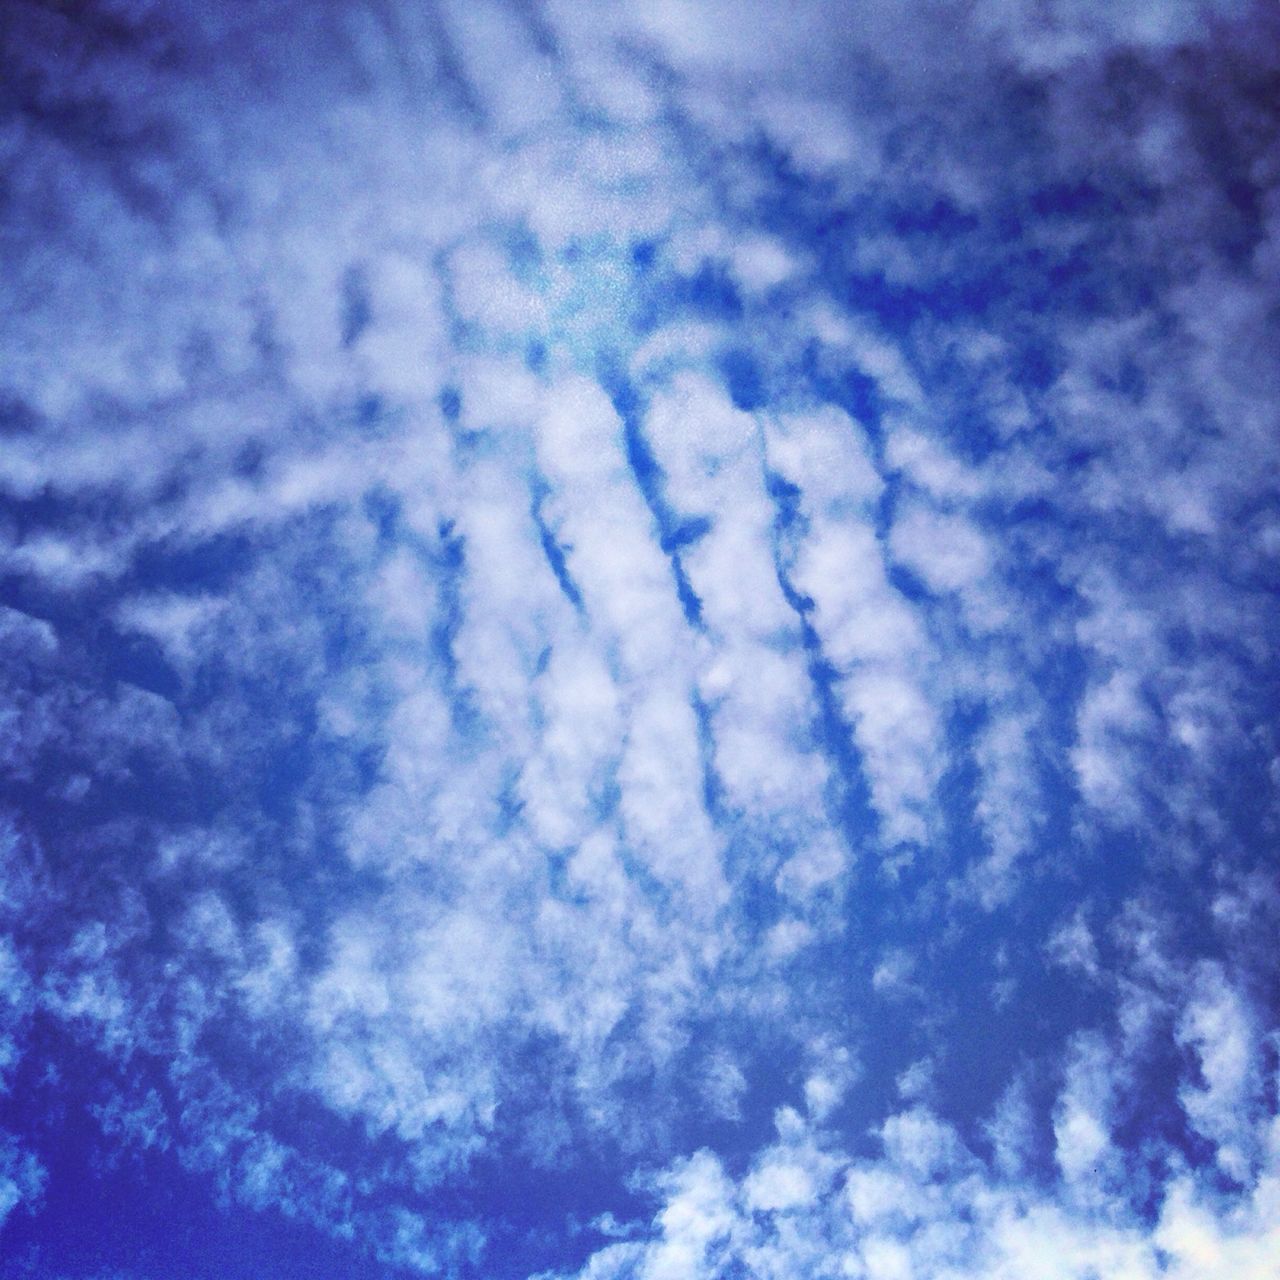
[{"x": 638, "y": 641}]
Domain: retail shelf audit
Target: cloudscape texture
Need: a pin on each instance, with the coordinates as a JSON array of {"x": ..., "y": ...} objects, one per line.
[{"x": 639, "y": 641}]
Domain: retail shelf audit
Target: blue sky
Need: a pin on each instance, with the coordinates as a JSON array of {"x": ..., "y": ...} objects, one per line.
[{"x": 638, "y": 642}]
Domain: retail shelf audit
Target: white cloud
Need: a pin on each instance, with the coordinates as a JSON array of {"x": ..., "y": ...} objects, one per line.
[
  {"x": 22, "y": 1177},
  {"x": 512, "y": 749},
  {"x": 947, "y": 552},
  {"x": 1111, "y": 716},
  {"x": 1216, "y": 1026},
  {"x": 926, "y": 1205},
  {"x": 1082, "y": 1122},
  {"x": 873, "y": 637},
  {"x": 1072, "y": 945}
]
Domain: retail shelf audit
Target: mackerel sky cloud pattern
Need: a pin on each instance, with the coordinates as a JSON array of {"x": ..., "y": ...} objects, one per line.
[{"x": 639, "y": 641}]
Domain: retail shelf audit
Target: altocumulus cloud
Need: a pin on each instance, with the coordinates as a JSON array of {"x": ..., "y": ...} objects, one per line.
[{"x": 638, "y": 641}]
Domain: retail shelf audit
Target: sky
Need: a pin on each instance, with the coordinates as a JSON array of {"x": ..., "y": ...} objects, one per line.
[{"x": 638, "y": 641}]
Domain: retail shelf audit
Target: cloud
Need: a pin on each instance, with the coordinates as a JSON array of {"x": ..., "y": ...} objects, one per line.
[
  {"x": 1216, "y": 1027},
  {"x": 541, "y": 546},
  {"x": 926, "y": 1203},
  {"x": 22, "y": 1178}
]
